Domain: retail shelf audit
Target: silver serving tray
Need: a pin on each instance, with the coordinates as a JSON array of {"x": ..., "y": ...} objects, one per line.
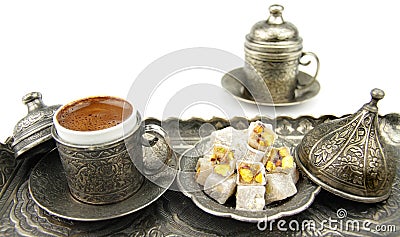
[
  {"x": 174, "y": 214},
  {"x": 306, "y": 191}
]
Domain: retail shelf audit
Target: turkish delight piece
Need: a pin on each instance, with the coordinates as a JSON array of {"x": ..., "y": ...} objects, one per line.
[
  {"x": 221, "y": 154},
  {"x": 250, "y": 173},
  {"x": 250, "y": 198},
  {"x": 225, "y": 169},
  {"x": 279, "y": 160},
  {"x": 260, "y": 136},
  {"x": 220, "y": 188},
  {"x": 231, "y": 138},
  {"x": 203, "y": 169},
  {"x": 220, "y": 161},
  {"x": 254, "y": 155},
  {"x": 224, "y": 136},
  {"x": 279, "y": 186}
]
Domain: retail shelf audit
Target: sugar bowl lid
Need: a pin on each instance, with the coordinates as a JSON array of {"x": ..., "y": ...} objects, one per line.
[
  {"x": 35, "y": 128},
  {"x": 274, "y": 30},
  {"x": 347, "y": 156}
]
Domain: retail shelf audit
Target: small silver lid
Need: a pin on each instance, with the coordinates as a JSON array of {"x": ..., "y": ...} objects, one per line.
[
  {"x": 274, "y": 35},
  {"x": 35, "y": 128},
  {"x": 347, "y": 156}
]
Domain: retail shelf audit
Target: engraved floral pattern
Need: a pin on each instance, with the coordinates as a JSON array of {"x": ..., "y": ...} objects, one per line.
[
  {"x": 7, "y": 164},
  {"x": 327, "y": 148},
  {"x": 280, "y": 77},
  {"x": 36, "y": 117},
  {"x": 376, "y": 169},
  {"x": 102, "y": 175},
  {"x": 34, "y": 139},
  {"x": 285, "y": 128},
  {"x": 351, "y": 168},
  {"x": 304, "y": 126}
]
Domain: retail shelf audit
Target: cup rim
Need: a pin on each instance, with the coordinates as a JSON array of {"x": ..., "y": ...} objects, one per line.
[
  {"x": 62, "y": 141},
  {"x": 129, "y": 120}
]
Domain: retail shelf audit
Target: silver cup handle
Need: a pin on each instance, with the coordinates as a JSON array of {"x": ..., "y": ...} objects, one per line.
[
  {"x": 302, "y": 86},
  {"x": 153, "y": 128},
  {"x": 155, "y": 164}
]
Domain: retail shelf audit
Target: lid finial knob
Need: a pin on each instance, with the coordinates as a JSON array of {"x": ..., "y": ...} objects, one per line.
[
  {"x": 376, "y": 95},
  {"x": 275, "y": 14},
  {"x": 33, "y": 101}
]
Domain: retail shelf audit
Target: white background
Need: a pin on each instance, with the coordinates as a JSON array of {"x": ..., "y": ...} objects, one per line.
[{"x": 72, "y": 49}]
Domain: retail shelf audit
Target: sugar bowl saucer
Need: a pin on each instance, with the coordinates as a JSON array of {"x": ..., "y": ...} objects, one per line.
[
  {"x": 49, "y": 189},
  {"x": 230, "y": 81}
]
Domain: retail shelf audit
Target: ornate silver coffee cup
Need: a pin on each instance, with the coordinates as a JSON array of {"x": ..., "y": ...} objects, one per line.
[
  {"x": 105, "y": 172},
  {"x": 273, "y": 49}
]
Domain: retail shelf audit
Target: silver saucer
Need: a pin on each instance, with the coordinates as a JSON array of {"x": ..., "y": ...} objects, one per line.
[
  {"x": 306, "y": 192},
  {"x": 49, "y": 189},
  {"x": 230, "y": 81}
]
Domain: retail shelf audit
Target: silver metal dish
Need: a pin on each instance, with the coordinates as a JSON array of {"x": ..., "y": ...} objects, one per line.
[
  {"x": 231, "y": 81},
  {"x": 49, "y": 189},
  {"x": 306, "y": 191}
]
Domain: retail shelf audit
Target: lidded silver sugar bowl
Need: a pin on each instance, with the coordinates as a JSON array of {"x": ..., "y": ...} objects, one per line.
[
  {"x": 33, "y": 132},
  {"x": 351, "y": 156},
  {"x": 274, "y": 49}
]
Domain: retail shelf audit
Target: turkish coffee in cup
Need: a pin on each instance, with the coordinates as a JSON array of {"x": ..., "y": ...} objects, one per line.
[
  {"x": 95, "y": 120},
  {"x": 95, "y": 113}
]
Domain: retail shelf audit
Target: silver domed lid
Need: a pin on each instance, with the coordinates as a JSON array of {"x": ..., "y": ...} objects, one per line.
[
  {"x": 347, "y": 156},
  {"x": 275, "y": 33},
  {"x": 35, "y": 128}
]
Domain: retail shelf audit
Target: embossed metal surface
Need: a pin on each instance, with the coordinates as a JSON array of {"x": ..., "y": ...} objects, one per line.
[
  {"x": 349, "y": 156},
  {"x": 232, "y": 82},
  {"x": 173, "y": 214},
  {"x": 7, "y": 165},
  {"x": 306, "y": 191}
]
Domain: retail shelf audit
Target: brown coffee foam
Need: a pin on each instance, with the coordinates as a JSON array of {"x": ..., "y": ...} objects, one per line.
[{"x": 95, "y": 113}]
